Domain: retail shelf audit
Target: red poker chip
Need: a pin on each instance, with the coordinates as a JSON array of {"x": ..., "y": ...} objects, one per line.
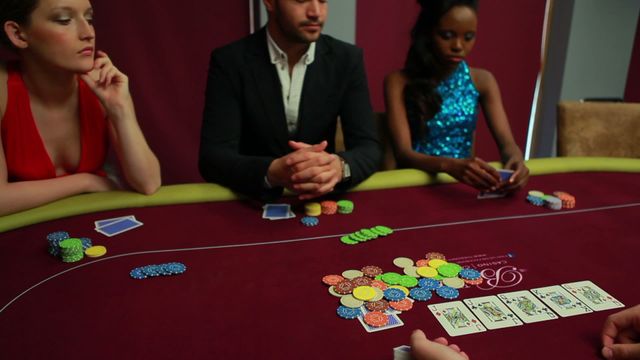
[
  {"x": 344, "y": 287},
  {"x": 435, "y": 255},
  {"x": 332, "y": 279},
  {"x": 379, "y": 284},
  {"x": 371, "y": 271},
  {"x": 477, "y": 281},
  {"x": 402, "y": 305},
  {"x": 422, "y": 262},
  {"x": 361, "y": 281},
  {"x": 329, "y": 207},
  {"x": 376, "y": 319},
  {"x": 380, "y": 305}
]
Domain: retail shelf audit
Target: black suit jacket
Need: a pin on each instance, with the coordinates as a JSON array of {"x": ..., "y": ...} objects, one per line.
[{"x": 244, "y": 125}]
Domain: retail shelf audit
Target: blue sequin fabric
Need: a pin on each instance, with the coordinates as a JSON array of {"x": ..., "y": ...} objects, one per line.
[{"x": 450, "y": 132}]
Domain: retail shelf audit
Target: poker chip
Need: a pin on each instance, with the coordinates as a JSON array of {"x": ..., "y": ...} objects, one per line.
[
  {"x": 568, "y": 200},
  {"x": 364, "y": 293},
  {"x": 402, "y": 262},
  {"x": 536, "y": 193},
  {"x": 329, "y": 207},
  {"x": 435, "y": 255},
  {"x": 95, "y": 251},
  {"x": 393, "y": 294},
  {"x": 379, "y": 284},
  {"x": 137, "y": 274},
  {"x": 54, "y": 240},
  {"x": 357, "y": 237},
  {"x": 351, "y": 302},
  {"x": 401, "y": 288},
  {"x": 371, "y": 271},
  {"x": 449, "y": 270},
  {"x": 380, "y": 305},
  {"x": 348, "y": 313},
  {"x": 427, "y": 272},
  {"x": 370, "y": 235},
  {"x": 422, "y": 262},
  {"x": 552, "y": 202},
  {"x": 312, "y": 209},
  {"x": 379, "y": 294},
  {"x": 332, "y": 279},
  {"x": 345, "y": 206},
  {"x": 454, "y": 282},
  {"x": 447, "y": 292},
  {"x": 429, "y": 284},
  {"x": 150, "y": 271},
  {"x": 361, "y": 281},
  {"x": 408, "y": 281},
  {"x": 536, "y": 201},
  {"x": 351, "y": 274},
  {"x": 402, "y": 305},
  {"x": 384, "y": 230},
  {"x": 174, "y": 268},
  {"x": 474, "y": 282},
  {"x": 420, "y": 294},
  {"x": 391, "y": 278},
  {"x": 310, "y": 221},
  {"x": 364, "y": 235},
  {"x": 347, "y": 240},
  {"x": 333, "y": 292},
  {"x": 71, "y": 250},
  {"x": 376, "y": 319},
  {"x": 344, "y": 287},
  {"x": 469, "y": 274},
  {"x": 436, "y": 263},
  {"x": 411, "y": 271},
  {"x": 86, "y": 243}
]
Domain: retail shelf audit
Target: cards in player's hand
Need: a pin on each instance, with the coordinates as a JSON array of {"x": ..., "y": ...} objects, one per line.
[
  {"x": 456, "y": 319},
  {"x": 402, "y": 352},
  {"x": 112, "y": 227},
  {"x": 505, "y": 174},
  {"x": 277, "y": 212},
  {"x": 561, "y": 301},
  {"x": 492, "y": 312},
  {"x": 527, "y": 306},
  {"x": 590, "y": 294},
  {"x": 394, "y": 321}
]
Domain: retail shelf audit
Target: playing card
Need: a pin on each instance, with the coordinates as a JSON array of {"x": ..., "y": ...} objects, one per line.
[
  {"x": 561, "y": 301},
  {"x": 505, "y": 174},
  {"x": 528, "y": 308},
  {"x": 402, "y": 352},
  {"x": 277, "y": 211},
  {"x": 119, "y": 226},
  {"x": 491, "y": 194},
  {"x": 394, "y": 321},
  {"x": 590, "y": 294},
  {"x": 456, "y": 319},
  {"x": 105, "y": 222},
  {"x": 492, "y": 312}
]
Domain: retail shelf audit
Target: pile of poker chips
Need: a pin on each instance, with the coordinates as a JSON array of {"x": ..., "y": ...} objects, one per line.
[
  {"x": 69, "y": 252},
  {"x": 167, "y": 269},
  {"x": 557, "y": 201},
  {"x": 328, "y": 207},
  {"x": 312, "y": 209},
  {"x": 54, "y": 240},
  {"x": 363, "y": 235},
  {"x": 310, "y": 221},
  {"x": 388, "y": 293},
  {"x": 345, "y": 206}
]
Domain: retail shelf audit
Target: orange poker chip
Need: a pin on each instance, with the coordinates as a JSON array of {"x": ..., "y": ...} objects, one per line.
[
  {"x": 435, "y": 255},
  {"x": 478, "y": 281},
  {"x": 332, "y": 279},
  {"x": 402, "y": 305},
  {"x": 379, "y": 284},
  {"x": 422, "y": 262},
  {"x": 361, "y": 281},
  {"x": 329, "y": 207},
  {"x": 376, "y": 319},
  {"x": 344, "y": 287},
  {"x": 380, "y": 305}
]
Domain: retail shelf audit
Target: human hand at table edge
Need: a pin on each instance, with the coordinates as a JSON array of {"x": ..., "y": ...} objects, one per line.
[
  {"x": 438, "y": 349},
  {"x": 621, "y": 335},
  {"x": 474, "y": 172},
  {"x": 520, "y": 176}
]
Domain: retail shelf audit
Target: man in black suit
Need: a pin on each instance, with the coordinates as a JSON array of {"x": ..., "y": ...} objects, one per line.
[{"x": 271, "y": 109}]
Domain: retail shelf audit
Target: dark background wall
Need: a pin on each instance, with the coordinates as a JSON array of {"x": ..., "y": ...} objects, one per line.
[{"x": 632, "y": 93}]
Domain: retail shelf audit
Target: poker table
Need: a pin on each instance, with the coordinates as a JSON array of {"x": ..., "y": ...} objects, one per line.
[{"x": 253, "y": 287}]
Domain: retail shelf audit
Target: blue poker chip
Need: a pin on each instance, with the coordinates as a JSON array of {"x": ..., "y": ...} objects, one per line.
[
  {"x": 86, "y": 243},
  {"x": 429, "y": 284},
  {"x": 152, "y": 270},
  {"x": 310, "y": 221},
  {"x": 469, "y": 274},
  {"x": 348, "y": 313},
  {"x": 173, "y": 268},
  {"x": 420, "y": 294},
  {"x": 447, "y": 292},
  {"x": 57, "y": 236},
  {"x": 393, "y": 294},
  {"x": 535, "y": 200},
  {"x": 137, "y": 274}
]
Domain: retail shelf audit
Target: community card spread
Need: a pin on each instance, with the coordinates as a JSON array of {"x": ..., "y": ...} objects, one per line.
[
  {"x": 456, "y": 319},
  {"x": 277, "y": 211},
  {"x": 119, "y": 226},
  {"x": 492, "y": 312},
  {"x": 105, "y": 222},
  {"x": 527, "y": 306},
  {"x": 595, "y": 298},
  {"x": 394, "y": 321},
  {"x": 561, "y": 301}
]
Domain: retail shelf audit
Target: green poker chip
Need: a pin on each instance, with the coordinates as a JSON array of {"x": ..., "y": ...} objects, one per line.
[
  {"x": 391, "y": 278},
  {"x": 345, "y": 206},
  {"x": 449, "y": 270},
  {"x": 384, "y": 229},
  {"x": 368, "y": 233},
  {"x": 358, "y": 237},
  {"x": 347, "y": 240},
  {"x": 408, "y": 281}
]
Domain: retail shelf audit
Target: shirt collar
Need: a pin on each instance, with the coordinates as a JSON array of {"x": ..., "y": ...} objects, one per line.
[{"x": 278, "y": 56}]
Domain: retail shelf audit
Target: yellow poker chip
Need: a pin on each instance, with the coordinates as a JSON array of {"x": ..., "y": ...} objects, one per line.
[
  {"x": 455, "y": 282},
  {"x": 436, "y": 263},
  {"x": 426, "y": 271},
  {"x": 96, "y": 251},
  {"x": 400, "y": 287},
  {"x": 313, "y": 209},
  {"x": 364, "y": 293}
]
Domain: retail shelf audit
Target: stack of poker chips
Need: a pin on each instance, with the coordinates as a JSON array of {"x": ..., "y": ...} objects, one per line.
[
  {"x": 536, "y": 197},
  {"x": 345, "y": 206},
  {"x": 54, "y": 240},
  {"x": 310, "y": 221},
  {"x": 366, "y": 235},
  {"x": 568, "y": 200},
  {"x": 71, "y": 250},
  {"x": 312, "y": 209},
  {"x": 329, "y": 207},
  {"x": 167, "y": 269},
  {"x": 552, "y": 202}
]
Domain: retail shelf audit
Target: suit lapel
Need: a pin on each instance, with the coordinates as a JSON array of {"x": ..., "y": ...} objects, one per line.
[
  {"x": 269, "y": 90},
  {"x": 315, "y": 91}
]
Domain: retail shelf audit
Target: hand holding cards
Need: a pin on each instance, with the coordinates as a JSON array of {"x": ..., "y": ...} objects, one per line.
[{"x": 505, "y": 175}]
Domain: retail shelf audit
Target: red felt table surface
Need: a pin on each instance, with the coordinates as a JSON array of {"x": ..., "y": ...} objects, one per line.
[{"x": 253, "y": 287}]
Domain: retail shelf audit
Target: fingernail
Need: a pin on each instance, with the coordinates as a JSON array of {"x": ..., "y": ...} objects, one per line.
[{"x": 607, "y": 353}]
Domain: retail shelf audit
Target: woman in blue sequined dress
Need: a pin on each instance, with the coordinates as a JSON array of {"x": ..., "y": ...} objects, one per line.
[{"x": 432, "y": 103}]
